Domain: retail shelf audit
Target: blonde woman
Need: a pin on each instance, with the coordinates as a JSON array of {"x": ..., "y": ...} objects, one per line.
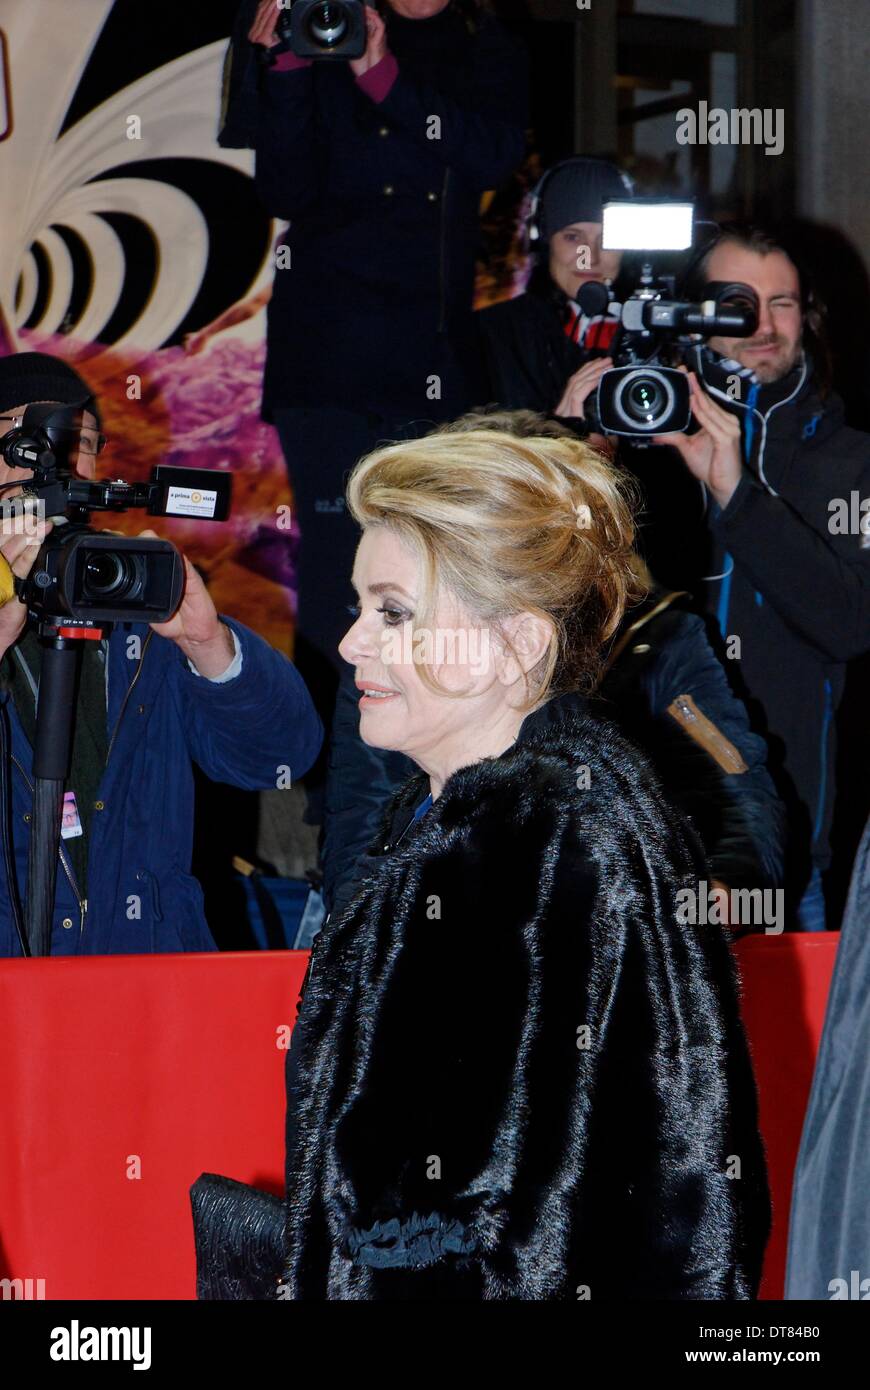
[{"x": 514, "y": 1074}]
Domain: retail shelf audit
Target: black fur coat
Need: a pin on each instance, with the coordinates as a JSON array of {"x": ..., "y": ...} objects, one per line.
[{"x": 515, "y": 1076}]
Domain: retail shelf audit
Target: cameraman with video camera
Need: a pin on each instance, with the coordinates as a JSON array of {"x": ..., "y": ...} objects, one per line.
[
  {"x": 379, "y": 162},
  {"x": 151, "y": 699},
  {"x": 790, "y": 581}
]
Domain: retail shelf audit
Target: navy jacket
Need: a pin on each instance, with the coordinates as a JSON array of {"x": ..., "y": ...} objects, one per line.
[
  {"x": 162, "y": 718},
  {"x": 738, "y": 815},
  {"x": 382, "y": 200}
]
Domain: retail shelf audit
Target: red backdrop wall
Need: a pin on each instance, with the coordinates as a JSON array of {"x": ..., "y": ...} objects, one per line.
[{"x": 124, "y": 1078}]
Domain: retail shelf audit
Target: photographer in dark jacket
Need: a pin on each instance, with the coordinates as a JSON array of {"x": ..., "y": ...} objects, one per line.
[
  {"x": 790, "y": 583},
  {"x": 793, "y": 587},
  {"x": 379, "y": 164}
]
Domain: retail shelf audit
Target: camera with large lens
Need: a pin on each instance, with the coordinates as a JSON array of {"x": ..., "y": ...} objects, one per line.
[
  {"x": 93, "y": 577},
  {"x": 645, "y": 393},
  {"x": 322, "y": 29},
  {"x": 86, "y": 578}
]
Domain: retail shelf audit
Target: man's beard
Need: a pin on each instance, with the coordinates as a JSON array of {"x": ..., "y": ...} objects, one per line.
[{"x": 771, "y": 368}]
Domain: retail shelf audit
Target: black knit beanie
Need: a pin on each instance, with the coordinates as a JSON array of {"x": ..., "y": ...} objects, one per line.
[
  {"x": 26, "y": 377},
  {"x": 577, "y": 191}
]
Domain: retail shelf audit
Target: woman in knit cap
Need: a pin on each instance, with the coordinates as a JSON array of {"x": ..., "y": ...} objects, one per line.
[{"x": 541, "y": 350}]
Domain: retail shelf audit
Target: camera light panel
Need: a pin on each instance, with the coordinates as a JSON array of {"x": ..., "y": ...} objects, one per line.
[{"x": 647, "y": 226}]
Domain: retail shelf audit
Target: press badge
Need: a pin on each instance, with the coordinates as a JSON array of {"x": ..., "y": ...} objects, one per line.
[{"x": 71, "y": 824}]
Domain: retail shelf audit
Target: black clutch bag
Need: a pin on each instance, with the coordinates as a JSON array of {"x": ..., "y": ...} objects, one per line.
[{"x": 239, "y": 1235}]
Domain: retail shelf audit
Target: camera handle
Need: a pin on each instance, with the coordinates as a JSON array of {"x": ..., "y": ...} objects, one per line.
[{"x": 52, "y": 753}]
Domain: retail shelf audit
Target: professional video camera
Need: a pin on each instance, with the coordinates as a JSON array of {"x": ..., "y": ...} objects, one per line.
[
  {"x": 86, "y": 578},
  {"x": 645, "y": 394},
  {"x": 321, "y": 29}
]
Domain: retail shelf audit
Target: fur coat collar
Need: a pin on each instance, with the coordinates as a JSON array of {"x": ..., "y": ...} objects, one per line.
[{"x": 516, "y": 1077}]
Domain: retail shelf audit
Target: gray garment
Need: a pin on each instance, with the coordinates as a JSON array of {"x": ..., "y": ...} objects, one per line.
[{"x": 829, "y": 1233}]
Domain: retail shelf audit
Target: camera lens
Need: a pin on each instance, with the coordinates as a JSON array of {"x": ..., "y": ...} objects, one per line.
[
  {"x": 644, "y": 400},
  {"x": 327, "y": 23},
  {"x": 108, "y": 574}
]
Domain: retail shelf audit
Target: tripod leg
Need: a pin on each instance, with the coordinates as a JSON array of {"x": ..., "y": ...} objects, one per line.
[
  {"x": 51, "y": 762},
  {"x": 42, "y": 864}
]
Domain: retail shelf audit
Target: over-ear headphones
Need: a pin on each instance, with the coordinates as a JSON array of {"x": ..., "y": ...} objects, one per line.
[
  {"x": 38, "y": 443},
  {"x": 30, "y": 449},
  {"x": 534, "y": 231}
]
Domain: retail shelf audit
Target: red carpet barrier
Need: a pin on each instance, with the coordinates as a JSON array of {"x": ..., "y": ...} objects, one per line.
[{"x": 123, "y": 1078}]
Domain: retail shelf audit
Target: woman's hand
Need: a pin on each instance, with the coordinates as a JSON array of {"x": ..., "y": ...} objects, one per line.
[
  {"x": 581, "y": 385},
  {"x": 263, "y": 28},
  {"x": 713, "y": 454},
  {"x": 376, "y": 44}
]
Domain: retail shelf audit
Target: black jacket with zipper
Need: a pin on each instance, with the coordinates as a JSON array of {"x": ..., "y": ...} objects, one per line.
[
  {"x": 383, "y": 203},
  {"x": 799, "y": 593}
]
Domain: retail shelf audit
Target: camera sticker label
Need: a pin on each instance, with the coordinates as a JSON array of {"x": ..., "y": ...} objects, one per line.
[
  {"x": 190, "y": 501},
  {"x": 71, "y": 824}
]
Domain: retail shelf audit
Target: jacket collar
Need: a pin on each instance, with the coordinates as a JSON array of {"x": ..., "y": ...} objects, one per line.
[
  {"x": 727, "y": 378},
  {"x": 542, "y": 724},
  {"x": 549, "y": 716}
]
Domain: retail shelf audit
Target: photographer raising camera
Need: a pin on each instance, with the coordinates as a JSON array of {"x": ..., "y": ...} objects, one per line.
[
  {"x": 377, "y": 129},
  {"x": 789, "y": 586}
]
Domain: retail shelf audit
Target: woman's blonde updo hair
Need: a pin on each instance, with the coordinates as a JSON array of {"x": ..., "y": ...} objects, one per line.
[{"x": 511, "y": 522}]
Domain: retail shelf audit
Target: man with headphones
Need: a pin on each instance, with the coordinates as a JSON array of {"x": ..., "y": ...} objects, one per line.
[
  {"x": 789, "y": 584},
  {"x": 205, "y": 689}
]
